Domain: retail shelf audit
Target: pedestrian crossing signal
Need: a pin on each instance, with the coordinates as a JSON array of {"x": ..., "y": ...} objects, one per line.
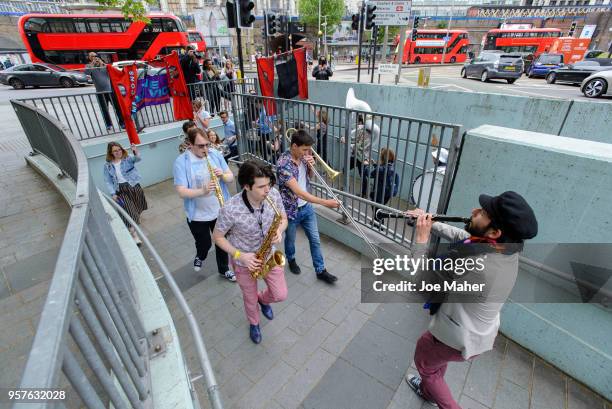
[{"x": 355, "y": 22}]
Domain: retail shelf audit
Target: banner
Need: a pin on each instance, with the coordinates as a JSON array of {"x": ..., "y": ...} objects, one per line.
[
  {"x": 181, "y": 102},
  {"x": 125, "y": 87},
  {"x": 152, "y": 90}
]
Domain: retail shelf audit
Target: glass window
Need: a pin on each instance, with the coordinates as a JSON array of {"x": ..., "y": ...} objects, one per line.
[
  {"x": 193, "y": 37},
  {"x": 40, "y": 68},
  {"x": 154, "y": 27},
  {"x": 169, "y": 25},
  {"x": 24, "y": 68},
  {"x": 37, "y": 25}
]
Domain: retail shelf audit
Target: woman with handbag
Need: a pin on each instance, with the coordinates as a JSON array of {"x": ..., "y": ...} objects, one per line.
[{"x": 123, "y": 182}]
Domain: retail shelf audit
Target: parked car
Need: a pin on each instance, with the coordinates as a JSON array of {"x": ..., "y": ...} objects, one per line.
[
  {"x": 544, "y": 63},
  {"x": 489, "y": 66},
  {"x": 575, "y": 73},
  {"x": 597, "y": 84},
  {"x": 42, "y": 74}
]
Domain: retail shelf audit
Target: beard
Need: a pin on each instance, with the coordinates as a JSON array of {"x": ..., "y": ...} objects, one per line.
[{"x": 475, "y": 231}]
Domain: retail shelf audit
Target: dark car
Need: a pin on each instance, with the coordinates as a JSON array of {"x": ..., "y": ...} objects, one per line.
[
  {"x": 493, "y": 65},
  {"x": 42, "y": 74},
  {"x": 575, "y": 73},
  {"x": 544, "y": 64}
]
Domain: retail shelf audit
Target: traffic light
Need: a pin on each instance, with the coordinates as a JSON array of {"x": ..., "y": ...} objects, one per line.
[
  {"x": 270, "y": 24},
  {"x": 416, "y": 23},
  {"x": 572, "y": 29},
  {"x": 355, "y": 22},
  {"x": 231, "y": 14},
  {"x": 245, "y": 13},
  {"x": 414, "y": 34},
  {"x": 370, "y": 16}
]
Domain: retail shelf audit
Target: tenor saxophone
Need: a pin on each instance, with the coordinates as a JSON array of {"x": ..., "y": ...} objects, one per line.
[
  {"x": 215, "y": 180},
  {"x": 277, "y": 258}
]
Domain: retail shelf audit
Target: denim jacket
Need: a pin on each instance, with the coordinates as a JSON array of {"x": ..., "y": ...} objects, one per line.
[
  {"x": 128, "y": 170},
  {"x": 182, "y": 177}
]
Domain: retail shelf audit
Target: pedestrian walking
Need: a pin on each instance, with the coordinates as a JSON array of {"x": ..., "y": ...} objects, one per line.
[
  {"x": 229, "y": 75},
  {"x": 245, "y": 224},
  {"x": 194, "y": 173},
  {"x": 123, "y": 182},
  {"x": 211, "y": 77}
]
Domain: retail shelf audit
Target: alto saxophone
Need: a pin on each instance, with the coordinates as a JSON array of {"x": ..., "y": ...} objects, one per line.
[
  {"x": 215, "y": 180},
  {"x": 278, "y": 258}
]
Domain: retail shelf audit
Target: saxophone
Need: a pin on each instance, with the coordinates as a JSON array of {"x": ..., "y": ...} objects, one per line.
[
  {"x": 215, "y": 180},
  {"x": 278, "y": 258}
]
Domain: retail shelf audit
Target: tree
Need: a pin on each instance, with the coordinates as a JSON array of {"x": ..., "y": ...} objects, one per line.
[
  {"x": 132, "y": 9},
  {"x": 393, "y": 31},
  {"x": 442, "y": 24},
  {"x": 309, "y": 12}
]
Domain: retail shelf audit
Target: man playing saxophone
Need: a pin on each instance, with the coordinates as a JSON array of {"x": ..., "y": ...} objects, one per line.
[
  {"x": 200, "y": 177},
  {"x": 243, "y": 227}
]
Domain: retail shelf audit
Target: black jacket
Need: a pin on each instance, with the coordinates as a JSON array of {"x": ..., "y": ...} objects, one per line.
[
  {"x": 191, "y": 68},
  {"x": 322, "y": 74}
]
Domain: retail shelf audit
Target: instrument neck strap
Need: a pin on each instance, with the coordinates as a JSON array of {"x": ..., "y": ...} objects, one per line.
[{"x": 245, "y": 199}]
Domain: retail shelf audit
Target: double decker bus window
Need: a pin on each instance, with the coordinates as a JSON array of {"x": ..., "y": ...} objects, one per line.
[
  {"x": 37, "y": 25},
  {"x": 194, "y": 37},
  {"x": 169, "y": 25},
  {"x": 57, "y": 25}
]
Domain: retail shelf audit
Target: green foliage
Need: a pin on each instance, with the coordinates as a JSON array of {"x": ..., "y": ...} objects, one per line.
[
  {"x": 132, "y": 9},
  {"x": 393, "y": 31},
  {"x": 442, "y": 24},
  {"x": 309, "y": 12}
]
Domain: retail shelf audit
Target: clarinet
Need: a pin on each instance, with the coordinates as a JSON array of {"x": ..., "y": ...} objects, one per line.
[{"x": 381, "y": 214}]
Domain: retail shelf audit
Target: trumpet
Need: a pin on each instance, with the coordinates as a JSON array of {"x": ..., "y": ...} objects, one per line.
[
  {"x": 331, "y": 193},
  {"x": 331, "y": 172}
]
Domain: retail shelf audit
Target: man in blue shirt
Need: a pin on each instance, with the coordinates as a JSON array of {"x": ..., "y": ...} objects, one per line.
[
  {"x": 229, "y": 135},
  {"x": 194, "y": 185},
  {"x": 265, "y": 130}
]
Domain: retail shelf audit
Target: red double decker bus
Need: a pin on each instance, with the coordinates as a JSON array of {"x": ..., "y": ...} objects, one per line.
[
  {"x": 196, "y": 39},
  {"x": 66, "y": 39},
  {"x": 429, "y": 46},
  {"x": 528, "y": 41}
]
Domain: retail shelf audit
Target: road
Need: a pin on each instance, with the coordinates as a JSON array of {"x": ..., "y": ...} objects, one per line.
[
  {"x": 442, "y": 78},
  {"x": 449, "y": 78}
]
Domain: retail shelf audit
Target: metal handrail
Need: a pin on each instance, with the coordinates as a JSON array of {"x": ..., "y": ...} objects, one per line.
[
  {"x": 211, "y": 383},
  {"x": 87, "y": 278}
]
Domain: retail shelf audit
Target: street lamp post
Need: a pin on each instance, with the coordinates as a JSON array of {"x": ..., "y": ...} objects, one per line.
[
  {"x": 450, "y": 21},
  {"x": 324, "y": 36}
]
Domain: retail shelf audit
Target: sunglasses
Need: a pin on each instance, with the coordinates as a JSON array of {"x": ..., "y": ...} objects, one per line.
[{"x": 203, "y": 145}]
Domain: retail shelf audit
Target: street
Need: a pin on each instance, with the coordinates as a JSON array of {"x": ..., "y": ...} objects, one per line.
[
  {"x": 442, "y": 78},
  {"x": 449, "y": 78}
]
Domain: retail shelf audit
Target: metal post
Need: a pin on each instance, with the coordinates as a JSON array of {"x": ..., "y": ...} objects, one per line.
[
  {"x": 450, "y": 21},
  {"x": 402, "y": 40},
  {"x": 240, "y": 61},
  {"x": 361, "y": 23},
  {"x": 266, "y": 40},
  {"x": 383, "y": 56},
  {"x": 374, "y": 36}
]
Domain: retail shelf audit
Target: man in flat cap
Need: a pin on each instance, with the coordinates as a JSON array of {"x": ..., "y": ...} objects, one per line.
[{"x": 464, "y": 327}]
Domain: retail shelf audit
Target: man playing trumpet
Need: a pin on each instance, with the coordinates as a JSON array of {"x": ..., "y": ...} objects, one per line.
[
  {"x": 244, "y": 223},
  {"x": 195, "y": 171},
  {"x": 293, "y": 174}
]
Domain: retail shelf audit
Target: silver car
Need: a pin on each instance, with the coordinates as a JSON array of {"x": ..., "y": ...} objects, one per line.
[
  {"x": 493, "y": 65},
  {"x": 597, "y": 84}
]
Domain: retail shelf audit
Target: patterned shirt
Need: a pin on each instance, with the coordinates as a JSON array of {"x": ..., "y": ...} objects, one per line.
[
  {"x": 287, "y": 169},
  {"x": 243, "y": 229}
]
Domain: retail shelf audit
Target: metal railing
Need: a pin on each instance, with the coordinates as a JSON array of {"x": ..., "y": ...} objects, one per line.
[
  {"x": 361, "y": 145},
  {"x": 96, "y": 114},
  {"x": 91, "y": 322},
  {"x": 14, "y": 7}
]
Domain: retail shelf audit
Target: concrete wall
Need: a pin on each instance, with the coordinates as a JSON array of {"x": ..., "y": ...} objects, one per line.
[
  {"x": 565, "y": 181},
  {"x": 472, "y": 109}
]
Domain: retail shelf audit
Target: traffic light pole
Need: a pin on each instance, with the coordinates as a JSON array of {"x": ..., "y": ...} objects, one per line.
[
  {"x": 266, "y": 39},
  {"x": 240, "y": 60},
  {"x": 374, "y": 42},
  {"x": 361, "y": 24},
  {"x": 400, "y": 56}
]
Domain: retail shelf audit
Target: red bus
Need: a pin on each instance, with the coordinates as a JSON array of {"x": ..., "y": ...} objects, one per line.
[
  {"x": 196, "y": 39},
  {"x": 66, "y": 39},
  {"x": 529, "y": 41},
  {"x": 429, "y": 46}
]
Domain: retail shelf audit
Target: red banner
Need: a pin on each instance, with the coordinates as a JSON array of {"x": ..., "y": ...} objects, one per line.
[
  {"x": 302, "y": 71},
  {"x": 265, "y": 75},
  {"x": 181, "y": 102},
  {"x": 125, "y": 84}
]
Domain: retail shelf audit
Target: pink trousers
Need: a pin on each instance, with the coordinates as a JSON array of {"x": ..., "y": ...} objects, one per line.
[
  {"x": 431, "y": 358},
  {"x": 276, "y": 290}
]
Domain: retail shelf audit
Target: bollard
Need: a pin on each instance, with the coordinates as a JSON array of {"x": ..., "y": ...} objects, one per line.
[{"x": 424, "y": 74}]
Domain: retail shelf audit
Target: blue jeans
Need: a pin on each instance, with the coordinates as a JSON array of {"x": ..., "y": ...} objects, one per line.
[{"x": 306, "y": 218}]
